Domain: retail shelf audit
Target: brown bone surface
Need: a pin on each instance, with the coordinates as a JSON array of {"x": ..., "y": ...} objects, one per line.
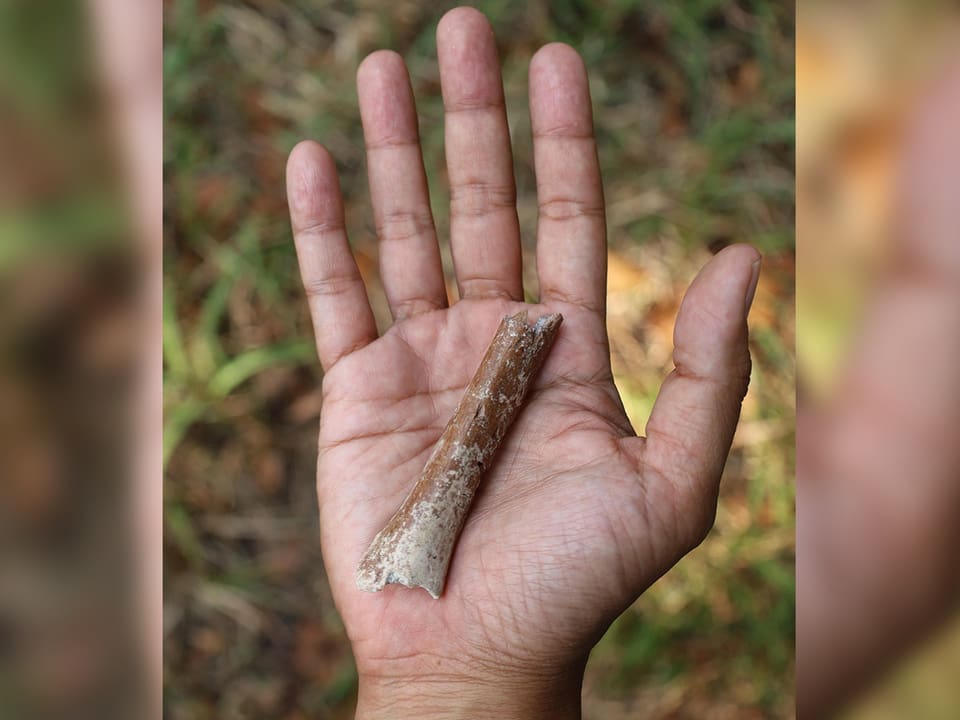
[{"x": 415, "y": 546}]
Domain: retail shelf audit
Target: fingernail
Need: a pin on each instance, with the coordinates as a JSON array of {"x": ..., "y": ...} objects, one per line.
[{"x": 752, "y": 287}]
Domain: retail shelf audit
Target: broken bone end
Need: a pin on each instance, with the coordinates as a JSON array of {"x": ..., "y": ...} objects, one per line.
[{"x": 375, "y": 573}]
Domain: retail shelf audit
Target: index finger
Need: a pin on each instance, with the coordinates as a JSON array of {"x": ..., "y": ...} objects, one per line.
[{"x": 342, "y": 318}]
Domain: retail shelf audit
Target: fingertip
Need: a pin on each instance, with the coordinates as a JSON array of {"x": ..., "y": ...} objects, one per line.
[
  {"x": 554, "y": 58},
  {"x": 741, "y": 252},
  {"x": 379, "y": 67},
  {"x": 726, "y": 276},
  {"x": 559, "y": 92},
  {"x": 312, "y": 186},
  {"x": 461, "y": 21},
  {"x": 710, "y": 332},
  {"x": 386, "y": 100},
  {"x": 469, "y": 63},
  {"x": 307, "y": 156}
]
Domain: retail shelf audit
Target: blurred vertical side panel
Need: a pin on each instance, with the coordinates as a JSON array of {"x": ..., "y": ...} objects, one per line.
[
  {"x": 878, "y": 298},
  {"x": 80, "y": 493}
]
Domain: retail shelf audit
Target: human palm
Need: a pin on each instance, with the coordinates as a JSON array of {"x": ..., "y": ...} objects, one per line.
[
  {"x": 545, "y": 537},
  {"x": 577, "y": 515}
]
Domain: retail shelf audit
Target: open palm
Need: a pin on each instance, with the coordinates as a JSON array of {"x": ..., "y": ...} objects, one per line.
[{"x": 577, "y": 515}]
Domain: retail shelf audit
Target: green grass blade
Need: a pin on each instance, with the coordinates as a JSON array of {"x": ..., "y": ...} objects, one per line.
[
  {"x": 177, "y": 422},
  {"x": 247, "y": 364},
  {"x": 174, "y": 348}
]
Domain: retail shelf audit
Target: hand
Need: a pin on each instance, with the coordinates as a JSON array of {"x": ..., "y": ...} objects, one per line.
[{"x": 577, "y": 515}]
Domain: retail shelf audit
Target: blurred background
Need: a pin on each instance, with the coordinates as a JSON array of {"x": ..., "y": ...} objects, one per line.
[
  {"x": 878, "y": 352},
  {"x": 693, "y": 105},
  {"x": 71, "y": 322}
]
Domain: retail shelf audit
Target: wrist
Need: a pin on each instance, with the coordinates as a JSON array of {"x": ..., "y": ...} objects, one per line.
[{"x": 506, "y": 696}]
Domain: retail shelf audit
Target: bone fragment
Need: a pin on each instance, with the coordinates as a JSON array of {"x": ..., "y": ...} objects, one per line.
[{"x": 415, "y": 546}]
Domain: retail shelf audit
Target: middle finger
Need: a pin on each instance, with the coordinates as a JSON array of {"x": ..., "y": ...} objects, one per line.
[{"x": 484, "y": 231}]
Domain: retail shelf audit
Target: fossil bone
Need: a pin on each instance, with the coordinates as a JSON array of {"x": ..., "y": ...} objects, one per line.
[{"x": 415, "y": 546}]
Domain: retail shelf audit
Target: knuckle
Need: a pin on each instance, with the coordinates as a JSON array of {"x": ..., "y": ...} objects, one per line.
[
  {"x": 477, "y": 197},
  {"x": 320, "y": 227},
  {"x": 410, "y": 307},
  {"x": 329, "y": 286},
  {"x": 477, "y": 287},
  {"x": 473, "y": 101},
  {"x": 561, "y": 209},
  {"x": 400, "y": 225}
]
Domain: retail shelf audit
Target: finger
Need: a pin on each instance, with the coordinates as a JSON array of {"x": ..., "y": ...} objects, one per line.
[
  {"x": 484, "y": 231},
  {"x": 691, "y": 426},
  {"x": 409, "y": 255},
  {"x": 571, "y": 229},
  {"x": 342, "y": 319}
]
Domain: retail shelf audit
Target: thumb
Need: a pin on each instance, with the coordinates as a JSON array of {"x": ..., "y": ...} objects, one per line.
[{"x": 693, "y": 420}]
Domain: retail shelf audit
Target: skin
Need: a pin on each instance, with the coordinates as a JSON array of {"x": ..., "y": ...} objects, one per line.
[{"x": 577, "y": 515}]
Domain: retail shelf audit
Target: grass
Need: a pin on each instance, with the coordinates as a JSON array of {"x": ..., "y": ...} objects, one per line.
[{"x": 693, "y": 103}]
